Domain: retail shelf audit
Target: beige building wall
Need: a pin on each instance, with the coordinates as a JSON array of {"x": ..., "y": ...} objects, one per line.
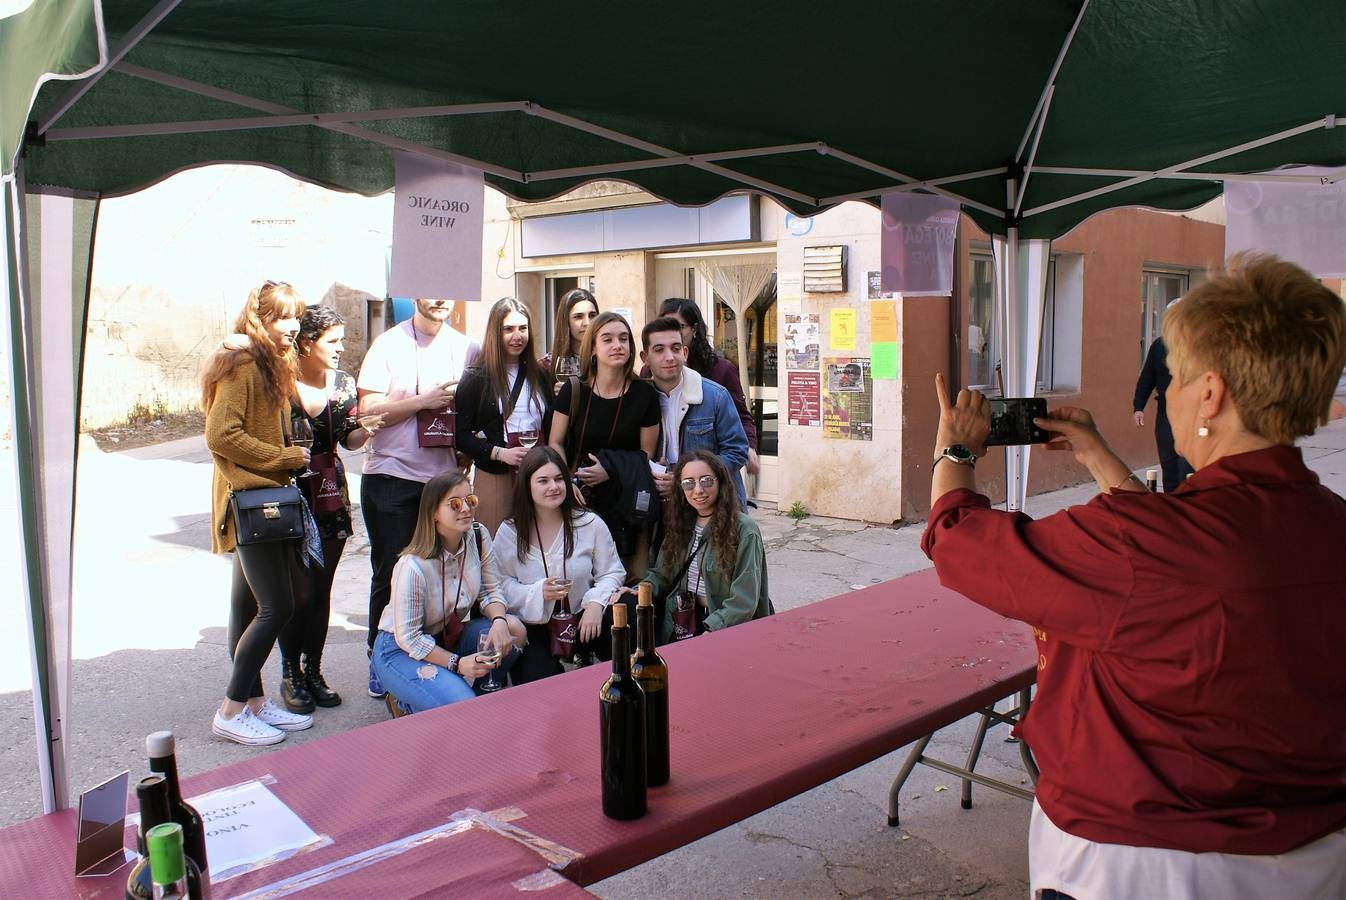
[{"x": 848, "y": 479}]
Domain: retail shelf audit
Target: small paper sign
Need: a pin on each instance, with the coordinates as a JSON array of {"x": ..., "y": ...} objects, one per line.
[
  {"x": 843, "y": 329},
  {"x": 248, "y": 826},
  {"x": 803, "y": 398},
  {"x": 437, "y": 230}
]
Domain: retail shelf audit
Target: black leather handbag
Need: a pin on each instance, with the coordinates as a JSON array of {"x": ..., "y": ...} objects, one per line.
[{"x": 264, "y": 515}]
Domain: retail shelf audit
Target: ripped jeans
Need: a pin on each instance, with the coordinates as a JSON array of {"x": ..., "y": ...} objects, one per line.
[{"x": 402, "y": 676}]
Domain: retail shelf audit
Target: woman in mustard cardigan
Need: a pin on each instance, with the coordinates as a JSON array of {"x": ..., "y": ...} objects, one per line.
[{"x": 246, "y": 392}]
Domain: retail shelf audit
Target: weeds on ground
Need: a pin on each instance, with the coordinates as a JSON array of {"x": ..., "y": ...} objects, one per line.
[{"x": 797, "y": 511}]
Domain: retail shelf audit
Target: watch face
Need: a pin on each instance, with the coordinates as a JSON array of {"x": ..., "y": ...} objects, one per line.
[{"x": 959, "y": 453}]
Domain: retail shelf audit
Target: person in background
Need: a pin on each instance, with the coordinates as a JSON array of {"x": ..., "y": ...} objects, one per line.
[
  {"x": 326, "y": 401},
  {"x": 609, "y": 412},
  {"x": 1189, "y": 723},
  {"x": 698, "y": 414},
  {"x": 246, "y": 391},
  {"x": 411, "y": 368},
  {"x": 711, "y": 568},
  {"x": 1154, "y": 378},
  {"x": 701, "y": 357},
  {"x": 445, "y": 573},
  {"x": 501, "y": 402},
  {"x": 549, "y": 542},
  {"x": 574, "y": 313}
]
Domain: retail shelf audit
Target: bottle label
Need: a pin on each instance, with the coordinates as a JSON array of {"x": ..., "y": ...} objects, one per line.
[{"x": 652, "y": 682}]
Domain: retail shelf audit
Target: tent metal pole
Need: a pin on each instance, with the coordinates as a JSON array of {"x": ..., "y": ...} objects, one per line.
[
  {"x": 907, "y": 179},
  {"x": 124, "y": 46},
  {"x": 656, "y": 150},
  {"x": 51, "y": 767},
  {"x": 915, "y": 186},
  {"x": 664, "y": 161},
  {"x": 1033, "y": 153},
  {"x": 1040, "y": 111},
  {"x": 1189, "y": 176},
  {"x": 356, "y": 131},
  {"x": 199, "y": 126},
  {"x": 1325, "y": 122}
]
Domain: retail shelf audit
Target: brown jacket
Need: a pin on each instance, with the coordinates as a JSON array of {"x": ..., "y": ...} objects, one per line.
[{"x": 245, "y": 434}]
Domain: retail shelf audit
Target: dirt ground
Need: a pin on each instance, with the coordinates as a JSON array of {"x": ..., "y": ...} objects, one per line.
[{"x": 144, "y": 432}]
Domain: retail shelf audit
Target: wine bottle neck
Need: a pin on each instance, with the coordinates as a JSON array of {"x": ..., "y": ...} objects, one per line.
[
  {"x": 621, "y": 651},
  {"x": 644, "y": 629},
  {"x": 167, "y": 766}
]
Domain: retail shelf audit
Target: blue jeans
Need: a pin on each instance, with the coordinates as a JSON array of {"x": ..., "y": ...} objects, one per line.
[{"x": 401, "y": 676}]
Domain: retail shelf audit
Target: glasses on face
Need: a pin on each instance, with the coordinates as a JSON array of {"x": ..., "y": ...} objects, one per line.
[
  {"x": 706, "y": 481},
  {"x": 458, "y": 504}
]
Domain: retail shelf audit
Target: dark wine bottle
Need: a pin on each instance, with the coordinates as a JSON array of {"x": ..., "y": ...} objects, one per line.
[
  {"x": 163, "y": 761},
  {"x": 152, "y": 794},
  {"x": 651, "y": 673},
  {"x": 621, "y": 726}
]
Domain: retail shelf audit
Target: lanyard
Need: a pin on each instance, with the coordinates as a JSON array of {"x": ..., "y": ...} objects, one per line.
[
  {"x": 584, "y": 426},
  {"x": 701, "y": 568},
  {"x": 444, "y": 580},
  {"x": 542, "y": 551}
]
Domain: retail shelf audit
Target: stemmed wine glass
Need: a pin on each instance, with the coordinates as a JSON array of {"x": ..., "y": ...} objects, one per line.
[
  {"x": 489, "y": 653},
  {"x": 303, "y": 437},
  {"x": 528, "y": 438},
  {"x": 566, "y": 366}
]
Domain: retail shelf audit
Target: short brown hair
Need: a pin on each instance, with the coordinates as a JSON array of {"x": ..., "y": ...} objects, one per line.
[{"x": 1273, "y": 333}]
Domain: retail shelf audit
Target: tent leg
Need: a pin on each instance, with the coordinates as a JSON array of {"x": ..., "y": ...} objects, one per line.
[{"x": 51, "y": 759}]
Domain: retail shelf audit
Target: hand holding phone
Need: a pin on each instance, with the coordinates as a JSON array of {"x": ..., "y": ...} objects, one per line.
[{"x": 1012, "y": 421}]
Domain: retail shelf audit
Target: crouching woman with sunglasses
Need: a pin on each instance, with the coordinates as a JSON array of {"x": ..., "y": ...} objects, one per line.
[
  {"x": 711, "y": 564},
  {"x": 426, "y": 653}
]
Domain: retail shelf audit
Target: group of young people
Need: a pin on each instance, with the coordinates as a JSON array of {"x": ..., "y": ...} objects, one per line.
[{"x": 509, "y": 500}]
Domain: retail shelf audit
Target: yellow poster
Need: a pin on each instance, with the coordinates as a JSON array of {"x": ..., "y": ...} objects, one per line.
[
  {"x": 843, "y": 329},
  {"x": 883, "y": 321}
]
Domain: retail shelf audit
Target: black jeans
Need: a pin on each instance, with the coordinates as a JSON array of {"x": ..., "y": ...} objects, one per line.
[
  {"x": 1174, "y": 467},
  {"x": 261, "y": 601},
  {"x": 306, "y": 632},
  {"x": 389, "y": 505}
]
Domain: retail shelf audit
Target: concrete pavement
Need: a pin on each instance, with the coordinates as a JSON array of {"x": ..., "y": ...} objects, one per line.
[{"x": 150, "y": 607}]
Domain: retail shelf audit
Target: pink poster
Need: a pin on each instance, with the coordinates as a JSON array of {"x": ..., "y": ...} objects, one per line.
[
  {"x": 916, "y": 245},
  {"x": 803, "y": 403},
  {"x": 437, "y": 227}
]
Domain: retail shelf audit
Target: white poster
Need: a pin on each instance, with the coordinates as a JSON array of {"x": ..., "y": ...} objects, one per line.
[
  {"x": 437, "y": 230},
  {"x": 248, "y": 826},
  {"x": 1304, "y": 223}
]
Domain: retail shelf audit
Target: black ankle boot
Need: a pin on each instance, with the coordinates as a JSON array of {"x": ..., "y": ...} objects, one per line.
[
  {"x": 317, "y": 685},
  {"x": 292, "y": 688}
]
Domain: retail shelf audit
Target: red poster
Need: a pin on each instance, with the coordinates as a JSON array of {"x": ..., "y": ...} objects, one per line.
[{"x": 803, "y": 400}]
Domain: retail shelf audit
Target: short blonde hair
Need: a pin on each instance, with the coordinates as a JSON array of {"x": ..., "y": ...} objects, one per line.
[{"x": 1273, "y": 333}]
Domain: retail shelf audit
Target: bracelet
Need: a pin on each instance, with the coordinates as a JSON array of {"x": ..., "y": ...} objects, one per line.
[
  {"x": 453, "y": 663},
  {"x": 1131, "y": 477},
  {"x": 495, "y": 619}
]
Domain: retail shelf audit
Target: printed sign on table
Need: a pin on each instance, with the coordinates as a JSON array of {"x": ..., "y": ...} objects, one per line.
[
  {"x": 437, "y": 229},
  {"x": 803, "y": 402}
]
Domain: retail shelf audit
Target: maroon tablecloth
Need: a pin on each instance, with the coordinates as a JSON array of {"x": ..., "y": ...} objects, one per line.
[{"x": 761, "y": 712}]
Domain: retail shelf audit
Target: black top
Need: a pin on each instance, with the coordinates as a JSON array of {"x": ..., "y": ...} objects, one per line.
[
  {"x": 479, "y": 424},
  {"x": 1154, "y": 378},
  {"x": 593, "y": 422},
  {"x": 331, "y": 426}
]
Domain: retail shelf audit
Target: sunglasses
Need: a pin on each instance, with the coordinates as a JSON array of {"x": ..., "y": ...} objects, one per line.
[
  {"x": 706, "y": 481},
  {"x": 458, "y": 504},
  {"x": 266, "y": 285}
]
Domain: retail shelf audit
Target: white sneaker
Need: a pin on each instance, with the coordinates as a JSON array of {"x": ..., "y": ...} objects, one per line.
[
  {"x": 283, "y": 719},
  {"x": 246, "y": 728}
]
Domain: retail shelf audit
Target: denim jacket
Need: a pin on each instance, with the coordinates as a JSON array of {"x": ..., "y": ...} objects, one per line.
[{"x": 709, "y": 421}]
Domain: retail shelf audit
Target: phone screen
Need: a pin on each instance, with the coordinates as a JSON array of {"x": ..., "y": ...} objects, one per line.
[{"x": 1012, "y": 421}]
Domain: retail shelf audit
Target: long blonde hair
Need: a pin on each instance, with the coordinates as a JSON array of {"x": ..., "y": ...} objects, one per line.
[
  {"x": 425, "y": 540},
  {"x": 273, "y": 300}
]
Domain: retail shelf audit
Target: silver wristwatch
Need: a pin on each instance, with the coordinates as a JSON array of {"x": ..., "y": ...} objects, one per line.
[{"x": 956, "y": 454}]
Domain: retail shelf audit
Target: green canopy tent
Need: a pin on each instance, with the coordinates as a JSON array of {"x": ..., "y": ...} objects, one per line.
[{"x": 1033, "y": 116}]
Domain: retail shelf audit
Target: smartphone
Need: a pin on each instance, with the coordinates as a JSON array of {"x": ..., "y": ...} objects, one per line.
[{"x": 1012, "y": 421}]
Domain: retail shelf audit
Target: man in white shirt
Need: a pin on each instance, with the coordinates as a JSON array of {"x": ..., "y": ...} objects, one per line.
[
  {"x": 698, "y": 414},
  {"x": 411, "y": 367}
]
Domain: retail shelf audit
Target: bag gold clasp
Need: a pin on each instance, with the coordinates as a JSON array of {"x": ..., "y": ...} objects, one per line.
[{"x": 270, "y": 510}]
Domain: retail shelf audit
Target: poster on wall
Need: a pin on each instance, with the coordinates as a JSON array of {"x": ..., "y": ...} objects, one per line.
[
  {"x": 883, "y": 342},
  {"x": 848, "y": 399},
  {"x": 916, "y": 243},
  {"x": 876, "y": 291},
  {"x": 843, "y": 329},
  {"x": 803, "y": 402},
  {"x": 803, "y": 340}
]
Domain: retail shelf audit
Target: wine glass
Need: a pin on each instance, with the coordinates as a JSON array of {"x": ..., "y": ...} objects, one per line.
[
  {"x": 303, "y": 437},
  {"x": 528, "y": 438},
  {"x": 489, "y": 653},
  {"x": 566, "y": 366}
]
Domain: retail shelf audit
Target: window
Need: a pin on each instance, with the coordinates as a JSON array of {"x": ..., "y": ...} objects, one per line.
[
  {"x": 984, "y": 338},
  {"x": 1158, "y": 288}
]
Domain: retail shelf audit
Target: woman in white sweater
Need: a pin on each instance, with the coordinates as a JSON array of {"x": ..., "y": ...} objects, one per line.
[{"x": 548, "y": 541}]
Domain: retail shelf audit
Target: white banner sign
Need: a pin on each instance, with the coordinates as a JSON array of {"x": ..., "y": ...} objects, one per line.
[
  {"x": 437, "y": 227},
  {"x": 916, "y": 246},
  {"x": 1304, "y": 223}
]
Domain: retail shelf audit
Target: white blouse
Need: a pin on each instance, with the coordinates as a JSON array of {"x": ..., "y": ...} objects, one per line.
[{"x": 594, "y": 568}]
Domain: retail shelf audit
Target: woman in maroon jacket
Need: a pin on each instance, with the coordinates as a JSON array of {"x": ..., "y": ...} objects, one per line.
[{"x": 1190, "y": 723}]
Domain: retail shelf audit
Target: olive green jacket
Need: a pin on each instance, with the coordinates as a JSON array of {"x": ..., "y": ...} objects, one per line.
[{"x": 739, "y": 598}]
